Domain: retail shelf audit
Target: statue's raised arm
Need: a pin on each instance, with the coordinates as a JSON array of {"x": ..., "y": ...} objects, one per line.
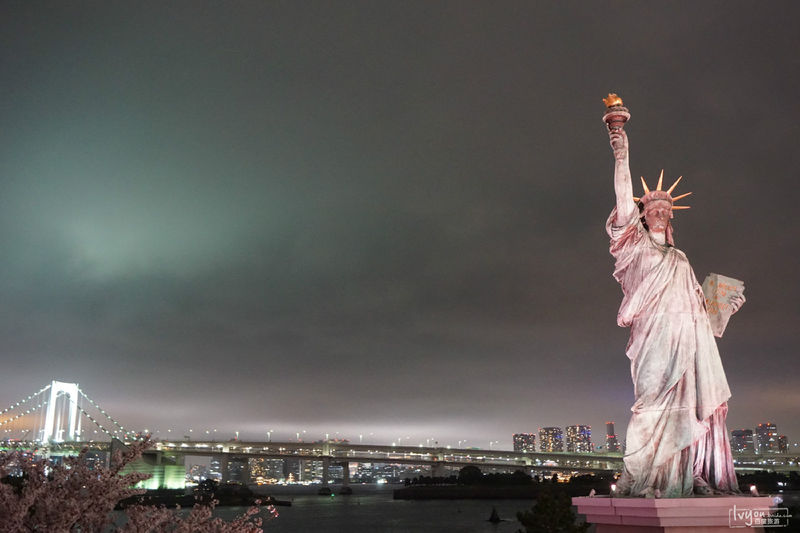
[{"x": 622, "y": 177}]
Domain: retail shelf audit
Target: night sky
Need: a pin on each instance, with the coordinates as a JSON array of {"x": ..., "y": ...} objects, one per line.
[{"x": 382, "y": 218}]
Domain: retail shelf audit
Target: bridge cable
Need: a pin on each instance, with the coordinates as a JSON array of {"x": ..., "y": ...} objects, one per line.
[
  {"x": 104, "y": 413},
  {"x": 20, "y": 415},
  {"x": 24, "y": 400}
]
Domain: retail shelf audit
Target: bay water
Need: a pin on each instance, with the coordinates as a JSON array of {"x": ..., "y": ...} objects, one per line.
[{"x": 375, "y": 511}]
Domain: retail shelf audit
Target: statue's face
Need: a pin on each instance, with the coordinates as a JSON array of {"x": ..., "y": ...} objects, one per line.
[{"x": 657, "y": 214}]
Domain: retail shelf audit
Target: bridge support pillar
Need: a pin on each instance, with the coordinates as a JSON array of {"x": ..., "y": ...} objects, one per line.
[
  {"x": 224, "y": 470},
  {"x": 52, "y": 431},
  {"x": 326, "y": 465},
  {"x": 245, "y": 471},
  {"x": 438, "y": 470},
  {"x": 345, "y": 473}
]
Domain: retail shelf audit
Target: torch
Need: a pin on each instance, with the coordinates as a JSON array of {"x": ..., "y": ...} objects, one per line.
[{"x": 616, "y": 115}]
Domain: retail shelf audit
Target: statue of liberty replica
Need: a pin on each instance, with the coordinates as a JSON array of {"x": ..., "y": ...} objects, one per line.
[{"x": 677, "y": 442}]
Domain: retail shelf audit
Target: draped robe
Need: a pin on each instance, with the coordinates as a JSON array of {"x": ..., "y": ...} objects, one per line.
[{"x": 676, "y": 439}]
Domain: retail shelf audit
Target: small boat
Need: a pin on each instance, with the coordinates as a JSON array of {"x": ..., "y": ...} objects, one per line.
[
  {"x": 269, "y": 500},
  {"x": 494, "y": 518}
]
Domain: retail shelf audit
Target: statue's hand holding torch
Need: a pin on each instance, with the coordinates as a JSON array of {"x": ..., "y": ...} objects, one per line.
[{"x": 619, "y": 143}]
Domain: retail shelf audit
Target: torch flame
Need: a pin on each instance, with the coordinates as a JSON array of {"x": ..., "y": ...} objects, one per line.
[{"x": 612, "y": 100}]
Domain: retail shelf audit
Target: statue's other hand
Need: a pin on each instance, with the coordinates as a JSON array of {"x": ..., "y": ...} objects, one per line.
[
  {"x": 619, "y": 143},
  {"x": 737, "y": 301}
]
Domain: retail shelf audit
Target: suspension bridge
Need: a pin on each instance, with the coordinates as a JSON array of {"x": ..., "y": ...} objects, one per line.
[{"x": 54, "y": 414}]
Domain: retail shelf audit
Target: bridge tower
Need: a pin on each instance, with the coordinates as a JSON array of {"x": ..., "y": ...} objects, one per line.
[{"x": 52, "y": 425}]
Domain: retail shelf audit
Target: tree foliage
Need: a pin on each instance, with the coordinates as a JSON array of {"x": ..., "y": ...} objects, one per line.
[
  {"x": 469, "y": 475},
  {"x": 38, "y": 495},
  {"x": 551, "y": 514}
]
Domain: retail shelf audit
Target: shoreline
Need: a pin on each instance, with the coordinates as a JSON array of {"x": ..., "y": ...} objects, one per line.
[{"x": 485, "y": 492}]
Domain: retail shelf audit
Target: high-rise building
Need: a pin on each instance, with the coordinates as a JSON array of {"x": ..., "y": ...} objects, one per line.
[
  {"x": 197, "y": 473},
  {"x": 524, "y": 442},
  {"x": 742, "y": 441},
  {"x": 239, "y": 470},
  {"x": 292, "y": 468},
  {"x": 612, "y": 443},
  {"x": 766, "y": 438},
  {"x": 579, "y": 439},
  {"x": 783, "y": 444},
  {"x": 266, "y": 470},
  {"x": 312, "y": 470},
  {"x": 551, "y": 439},
  {"x": 215, "y": 468}
]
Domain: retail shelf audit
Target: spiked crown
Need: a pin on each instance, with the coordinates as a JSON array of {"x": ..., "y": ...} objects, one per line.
[{"x": 659, "y": 194}]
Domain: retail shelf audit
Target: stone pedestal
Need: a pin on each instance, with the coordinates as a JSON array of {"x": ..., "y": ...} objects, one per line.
[{"x": 703, "y": 514}]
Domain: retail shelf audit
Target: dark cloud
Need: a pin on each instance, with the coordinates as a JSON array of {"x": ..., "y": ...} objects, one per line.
[{"x": 380, "y": 218}]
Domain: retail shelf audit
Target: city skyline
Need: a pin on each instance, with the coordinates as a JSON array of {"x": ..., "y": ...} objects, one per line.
[{"x": 381, "y": 219}]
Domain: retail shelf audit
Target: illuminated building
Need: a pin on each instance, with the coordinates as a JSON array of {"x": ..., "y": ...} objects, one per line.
[
  {"x": 165, "y": 472},
  {"x": 579, "y": 439},
  {"x": 524, "y": 442},
  {"x": 612, "y": 443},
  {"x": 229, "y": 469},
  {"x": 551, "y": 440},
  {"x": 292, "y": 468},
  {"x": 783, "y": 444},
  {"x": 742, "y": 441},
  {"x": 215, "y": 468},
  {"x": 312, "y": 470},
  {"x": 197, "y": 473},
  {"x": 766, "y": 438},
  {"x": 266, "y": 470},
  {"x": 335, "y": 472},
  {"x": 238, "y": 470},
  {"x": 385, "y": 472},
  {"x": 96, "y": 459}
]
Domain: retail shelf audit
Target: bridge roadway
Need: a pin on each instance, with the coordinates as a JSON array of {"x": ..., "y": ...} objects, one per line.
[
  {"x": 444, "y": 456},
  {"x": 438, "y": 458}
]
